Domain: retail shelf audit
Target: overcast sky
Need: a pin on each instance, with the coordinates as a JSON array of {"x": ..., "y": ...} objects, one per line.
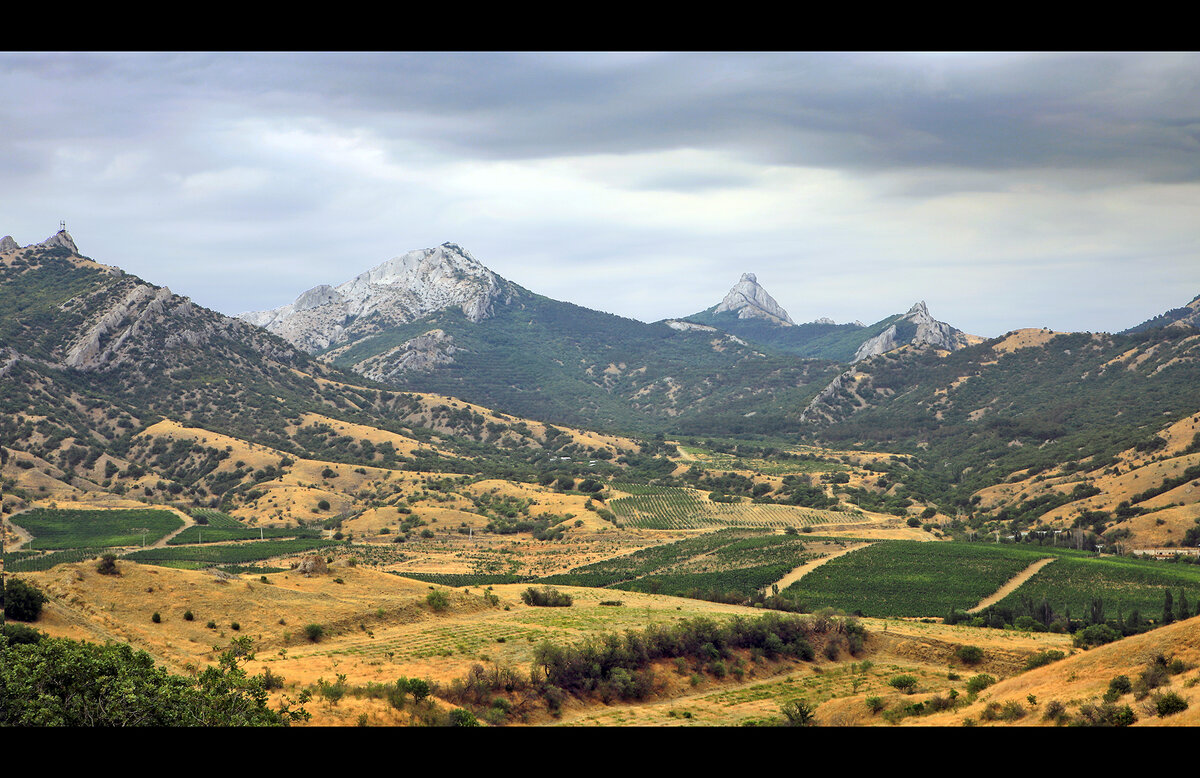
[{"x": 1006, "y": 190}]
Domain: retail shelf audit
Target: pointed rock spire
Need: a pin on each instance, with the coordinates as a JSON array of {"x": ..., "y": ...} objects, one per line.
[
  {"x": 750, "y": 301},
  {"x": 60, "y": 239}
]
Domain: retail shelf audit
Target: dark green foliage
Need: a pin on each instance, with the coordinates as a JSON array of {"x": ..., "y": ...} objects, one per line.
[
  {"x": 1127, "y": 585},
  {"x": 1105, "y": 715},
  {"x": 905, "y": 683},
  {"x": 22, "y": 600},
  {"x": 60, "y": 682},
  {"x": 1043, "y": 658},
  {"x": 969, "y": 655},
  {"x": 57, "y": 529},
  {"x": 1096, "y": 635},
  {"x": 546, "y": 596},
  {"x": 460, "y": 717},
  {"x": 314, "y": 632},
  {"x": 18, "y": 634},
  {"x": 911, "y": 578},
  {"x": 799, "y": 713},
  {"x": 1055, "y": 711},
  {"x": 1169, "y": 703},
  {"x": 1120, "y": 684},
  {"x": 978, "y": 683}
]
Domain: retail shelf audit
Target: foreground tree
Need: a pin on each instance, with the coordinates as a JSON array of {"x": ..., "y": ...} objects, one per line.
[
  {"x": 22, "y": 601},
  {"x": 62, "y": 682}
]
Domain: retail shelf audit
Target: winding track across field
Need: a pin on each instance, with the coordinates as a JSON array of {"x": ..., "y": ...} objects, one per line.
[
  {"x": 808, "y": 567},
  {"x": 1011, "y": 585}
]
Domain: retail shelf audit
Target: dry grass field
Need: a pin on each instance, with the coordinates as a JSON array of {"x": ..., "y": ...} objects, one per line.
[{"x": 378, "y": 627}]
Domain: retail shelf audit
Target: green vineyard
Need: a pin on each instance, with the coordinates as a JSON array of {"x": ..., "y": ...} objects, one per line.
[
  {"x": 222, "y": 527},
  {"x": 237, "y": 553},
  {"x": 668, "y": 507},
  {"x": 62, "y": 529}
]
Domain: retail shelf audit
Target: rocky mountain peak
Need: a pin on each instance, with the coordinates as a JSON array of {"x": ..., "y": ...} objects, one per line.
[
  {"x": 400, "y": 290},
  {"x": 8, "y": 244},
  {"x": 917, "y": 328},
  {"x": 750, "y": 301},
  {"x": 60, "y": 239}
]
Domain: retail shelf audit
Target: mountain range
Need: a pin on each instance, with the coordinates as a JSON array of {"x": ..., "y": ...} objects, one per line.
[{"x": 79, "y": 338}]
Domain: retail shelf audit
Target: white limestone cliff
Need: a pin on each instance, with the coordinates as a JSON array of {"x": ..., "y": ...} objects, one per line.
[
  {"x": 929, "y": 332},
  {"x": 750, "y": 301},
  {"x": 397, "y": 291}
]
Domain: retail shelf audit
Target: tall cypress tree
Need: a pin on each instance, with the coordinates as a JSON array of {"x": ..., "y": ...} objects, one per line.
[{"x": 1168, "y": 608}]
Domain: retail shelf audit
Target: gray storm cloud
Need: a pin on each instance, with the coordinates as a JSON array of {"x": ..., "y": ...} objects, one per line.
[{"x": 859, "y": 182}]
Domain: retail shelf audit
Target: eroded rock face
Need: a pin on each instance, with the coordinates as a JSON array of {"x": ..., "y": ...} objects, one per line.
[
  {"x": 928, "y": 332},
  {"x": 750, "y": 301},
  {"x": 60, "y": 239},
  {"x": 313, "y": 565},
  {"x": 8, "y": 244},
  {"x": 424, "y": 352},
  {"x": 395, "y": 292}
]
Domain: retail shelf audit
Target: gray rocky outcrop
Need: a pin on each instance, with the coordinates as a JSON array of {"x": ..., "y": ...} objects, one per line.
[
  {"x": 397, "y": 291},
  {"x": 8, "y": 244},
  {"x": 928, "y": 332},
  {"x": 432, "y": 349},
  {"x": 60, "y": 239},
  {"x": 750, "y": 301}
]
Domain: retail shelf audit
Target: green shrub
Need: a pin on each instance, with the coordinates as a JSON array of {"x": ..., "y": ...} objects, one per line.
[
  {"x": 905, "y": 683},
  {"x": 874, "y": 704},
  {"x": 1043, "y": 658},
  {"x": 1168, "y": 703},
  {"x": 798, "y": 713},
  {"x": 188, "y": 615},
  {"x": 1095, "y": 635},
  {"x": 1012, "y": 711},
  {"x": 156, "y": 618},
  {"x": 419, "y": 688},
  {"x": 461, "y": 717},
  {"x": 108, "y": 565},
  {"x": 23, "y": 601},
  {"x": 19, "y": 634},
  {"x": 271, "y": 681},
  {"x": 546, "y": 596},
  {"x": 1055, "y": 711},
  {"x": 314, "y": 632},
  {"x": 235, "y": 626},
  {"x": 977, "y": 683},
  {"x": 437, "y": 600},
  {"x": 970, "y": 655}
]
